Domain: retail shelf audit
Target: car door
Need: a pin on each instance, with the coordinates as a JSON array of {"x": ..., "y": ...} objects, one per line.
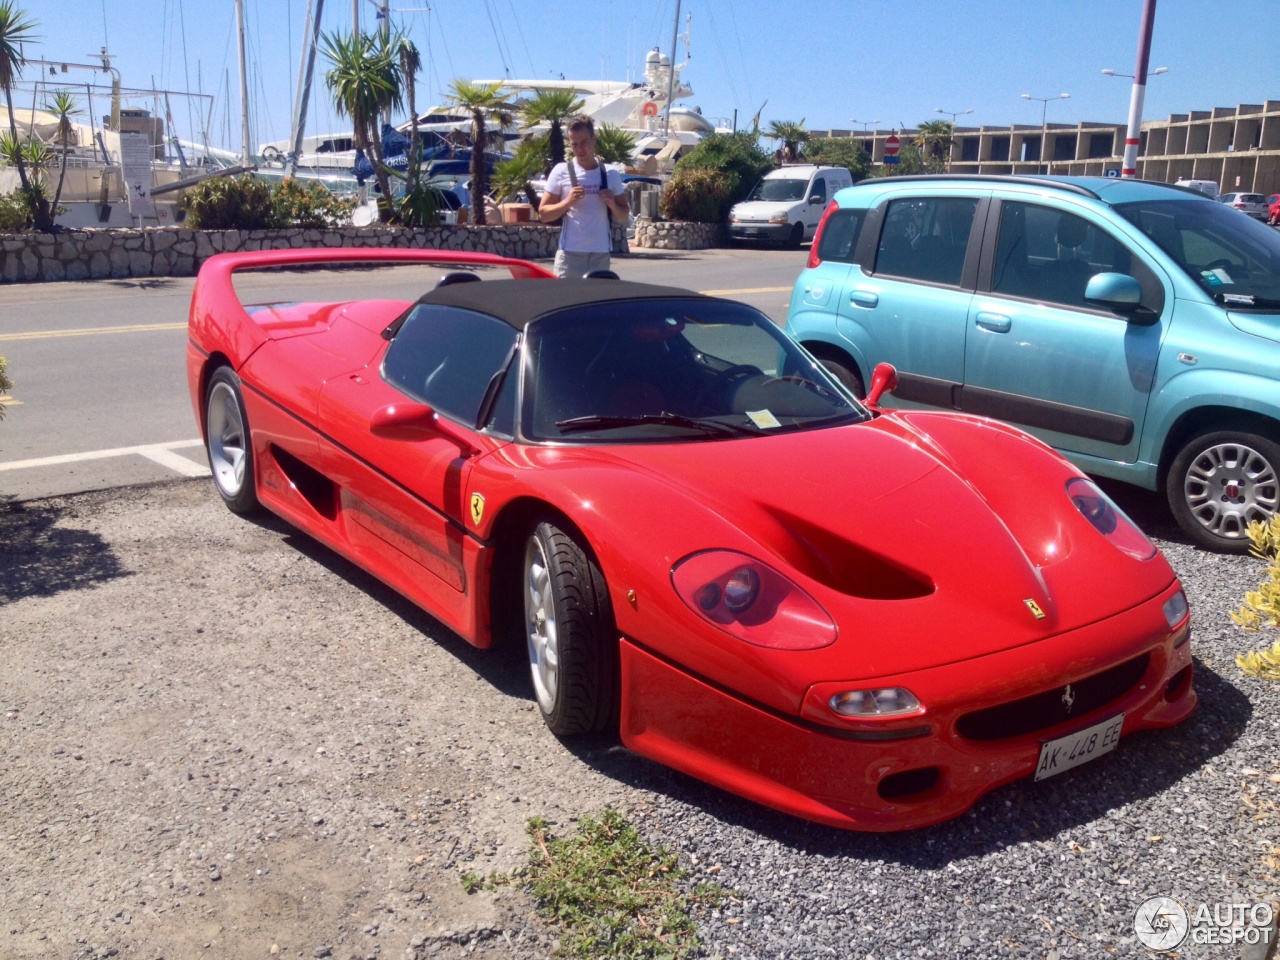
[
  {"x": 404, "y": 499},
  {"x": 814, "y": 204},
  {"x": 910, "y": 308},
  {"x": 1038, "y": 355}
]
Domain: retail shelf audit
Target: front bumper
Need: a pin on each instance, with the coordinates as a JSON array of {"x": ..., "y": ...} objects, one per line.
[
  {"x": 771, "y": 232},
  {"x": 851, "y": 777}
]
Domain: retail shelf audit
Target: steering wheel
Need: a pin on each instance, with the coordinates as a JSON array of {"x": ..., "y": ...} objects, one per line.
[{"x": 739, "y": 371}]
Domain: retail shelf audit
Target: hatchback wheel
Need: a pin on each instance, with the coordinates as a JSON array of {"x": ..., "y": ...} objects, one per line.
[
  {"x": 573, "y": 647},
  {"x": 1221, "y": 481}
]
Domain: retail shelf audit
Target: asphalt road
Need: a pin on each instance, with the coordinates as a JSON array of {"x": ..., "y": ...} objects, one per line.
[{"x": 100, "y": 396}]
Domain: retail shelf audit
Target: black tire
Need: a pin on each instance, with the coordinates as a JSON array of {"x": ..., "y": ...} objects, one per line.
[
  {"x": 229, "y": 443},
  {"x": 843, "y": 371},
  {"x": 1219, "y": 482},
  {"x": 796, "y": 236},
  {"x": 570, "y": 636}
]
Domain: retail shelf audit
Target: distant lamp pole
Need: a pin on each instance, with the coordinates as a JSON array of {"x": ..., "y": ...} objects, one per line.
[
  {"x": 952, "y": 114},
  {"x": 1044, "y": 127},
  {"x": 1129, "y": 76},
  {"x": 865, "y": 123}
]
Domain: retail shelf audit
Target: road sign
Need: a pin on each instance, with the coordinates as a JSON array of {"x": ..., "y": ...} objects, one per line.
[
  {"x": 891, "y": 145},
  {"x": 889, "y": 159},
  {"x": 1113, "y": 172}
]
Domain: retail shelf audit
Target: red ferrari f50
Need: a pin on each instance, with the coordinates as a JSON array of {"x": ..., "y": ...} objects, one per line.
[{"x": 868, "y": 618}]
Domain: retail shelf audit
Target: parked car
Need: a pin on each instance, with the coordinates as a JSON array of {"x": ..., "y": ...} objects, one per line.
[
  {"x": 702, "y": 542},
  {"x": 1208, "y": 187},
  {"x": 1254, "y": 204},
  {"x": 787, "y": 203},
  {"x": 1131, "y": 325}
]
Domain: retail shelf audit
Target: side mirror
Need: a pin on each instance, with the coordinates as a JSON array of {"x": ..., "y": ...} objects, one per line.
[
  {"x": 884, "y": 379},
  {"x": 817, "y": 199},
  {"x": 1115, "y": 291},
  {"x": 415, "y": 422}
]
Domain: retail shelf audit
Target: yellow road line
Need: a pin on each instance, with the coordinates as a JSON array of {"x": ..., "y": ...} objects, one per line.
[{"x": 90, "y": 331}]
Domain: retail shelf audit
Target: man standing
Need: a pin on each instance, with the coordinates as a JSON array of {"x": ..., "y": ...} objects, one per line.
[{"x": 586, "y": 195}]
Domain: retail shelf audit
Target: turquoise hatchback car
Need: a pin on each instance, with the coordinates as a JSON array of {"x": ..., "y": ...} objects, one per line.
[{"x": 1133, "y": 326}]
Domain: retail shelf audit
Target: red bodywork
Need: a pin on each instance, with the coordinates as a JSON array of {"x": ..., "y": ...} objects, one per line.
[{"x": 929, "y": 538}]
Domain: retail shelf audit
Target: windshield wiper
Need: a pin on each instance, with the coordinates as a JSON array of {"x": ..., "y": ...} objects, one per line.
[
  {"x": 1245, "y": 301},
  {"x": 713, "y": 427}
]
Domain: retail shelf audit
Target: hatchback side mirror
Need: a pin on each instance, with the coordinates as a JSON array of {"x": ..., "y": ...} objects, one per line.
[{"x": 1116, "y": 291}]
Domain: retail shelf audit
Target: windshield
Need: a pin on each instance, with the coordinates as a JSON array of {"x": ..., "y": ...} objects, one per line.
[
  {"x": 658, "y": 370},
  {"x": 775, "y": 190},
  {"x": 1234, "y": 258}
]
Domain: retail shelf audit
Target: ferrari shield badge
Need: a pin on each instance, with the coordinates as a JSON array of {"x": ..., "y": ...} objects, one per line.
[
  {"x": 477, "y": 508},
  {"x": 1031, "y": 604}
]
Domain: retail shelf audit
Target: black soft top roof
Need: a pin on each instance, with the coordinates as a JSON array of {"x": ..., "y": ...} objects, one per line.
[{"x": 520, "y": 302}]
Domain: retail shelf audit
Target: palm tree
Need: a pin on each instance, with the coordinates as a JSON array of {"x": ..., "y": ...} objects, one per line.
[
  {"x": 410, "y": 62},
  {"x": 615, "y": 145},
  {"x": 63, "y": 106},
  {"x": 934, "y": 139},
  {"x": 552, "y": 107},
  {"x": 16, "y": 28},
  {"x": 481, "y": 100},
  {"x": 792, "y": 135},
  {"x": 364, "y": 79}
]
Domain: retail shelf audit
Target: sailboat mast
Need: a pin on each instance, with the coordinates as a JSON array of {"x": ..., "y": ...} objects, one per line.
[
  {"x": 244, "y": 88},
  {"x": 306, "y": 67},
  {"x": 671, "y": 78}
]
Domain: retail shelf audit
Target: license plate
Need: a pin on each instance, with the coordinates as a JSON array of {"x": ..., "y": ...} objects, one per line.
[{"x": 1079, "y": 747}]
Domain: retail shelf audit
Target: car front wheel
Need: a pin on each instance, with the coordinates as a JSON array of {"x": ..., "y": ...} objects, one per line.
[
  {"x": 1221, "y": 481},
  {"x": 572, "y": 644},
  {"x": 228, "y": 443}
]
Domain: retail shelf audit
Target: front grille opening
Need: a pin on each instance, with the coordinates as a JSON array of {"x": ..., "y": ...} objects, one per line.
[
  {"x": 1178, "y": 684},
  {"x": 1043, "y": 710},
  {"x": 900, "y": 786}
]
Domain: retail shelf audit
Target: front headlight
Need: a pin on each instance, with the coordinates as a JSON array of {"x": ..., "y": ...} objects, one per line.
[
  {"x": 779, "y": 216},
  {"x": 1108, "y": 519},
  {"x": 888, "y": 702},
  {"x": 750, "y": 600}
]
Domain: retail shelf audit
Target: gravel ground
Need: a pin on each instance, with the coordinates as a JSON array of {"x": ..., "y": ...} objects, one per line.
[{"x": 221, "y": 740}]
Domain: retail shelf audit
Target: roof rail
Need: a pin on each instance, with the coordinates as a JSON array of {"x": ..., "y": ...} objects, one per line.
[{"x": 1024, "y": 180}]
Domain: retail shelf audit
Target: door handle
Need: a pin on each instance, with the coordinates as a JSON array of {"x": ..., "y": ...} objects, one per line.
[
  {"x": 863, "y": 298},
  {"x": 995, "y": 322}
]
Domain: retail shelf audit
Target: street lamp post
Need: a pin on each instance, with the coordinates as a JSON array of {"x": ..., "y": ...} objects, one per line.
[
  {"x": 1129, "y": 168},
  {"x": 1044, "y": 128},
  {"x": 865, "y": 123},
  {"x": 952, "y": 114}
]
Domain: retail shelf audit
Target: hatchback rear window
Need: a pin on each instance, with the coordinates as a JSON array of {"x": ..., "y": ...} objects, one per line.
[{"x": 840, "y": 235}]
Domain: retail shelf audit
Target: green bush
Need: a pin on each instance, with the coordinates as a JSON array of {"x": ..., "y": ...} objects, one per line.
[
  {"x": 230, "y": 203},
  {"x": 736, "y": 156},
  {"x": 308, "y": 203},
  {"x": 15, "y": 214},
  {"x": 697, "y": 195}
]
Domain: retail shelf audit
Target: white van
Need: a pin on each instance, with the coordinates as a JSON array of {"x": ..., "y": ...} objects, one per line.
[
  {"x": 1208, "y": 187},
  {"x": 787, "y": 204}
]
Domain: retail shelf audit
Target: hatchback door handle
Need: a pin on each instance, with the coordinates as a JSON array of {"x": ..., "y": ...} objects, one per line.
[
  {"x": 863, "y": 298},
  {"x": 995, "y": 322}
]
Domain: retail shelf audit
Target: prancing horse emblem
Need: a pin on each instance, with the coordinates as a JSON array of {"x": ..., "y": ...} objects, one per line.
[
  {"x": 1035, "y": 609},
  {"x": 1068, "y": 698}
]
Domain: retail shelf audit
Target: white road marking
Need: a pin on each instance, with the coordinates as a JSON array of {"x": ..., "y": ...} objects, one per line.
[{"x": 156, "y": 452}]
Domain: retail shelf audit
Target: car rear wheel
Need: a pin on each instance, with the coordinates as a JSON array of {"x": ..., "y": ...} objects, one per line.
[
  {"x": 1221, "y": 481},
  {"x": 572, "y": 644},
  {"x": 844, "y": 372},
  {"x": 228, "y": 442}
]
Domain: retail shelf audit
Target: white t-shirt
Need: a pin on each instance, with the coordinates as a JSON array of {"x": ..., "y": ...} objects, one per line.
[{"x": 585, "y": 228}]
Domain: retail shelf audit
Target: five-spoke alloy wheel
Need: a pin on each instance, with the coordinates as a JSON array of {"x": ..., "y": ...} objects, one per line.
[{"x": 228, "y": 443}]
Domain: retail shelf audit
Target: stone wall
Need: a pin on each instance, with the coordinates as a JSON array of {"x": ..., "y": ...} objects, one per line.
[
  {"x": 678, "y": 235},
  {"x": 177, "y": 252}
]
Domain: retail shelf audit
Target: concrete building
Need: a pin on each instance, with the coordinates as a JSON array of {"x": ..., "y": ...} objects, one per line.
[{"x": 1237, "y": 147}]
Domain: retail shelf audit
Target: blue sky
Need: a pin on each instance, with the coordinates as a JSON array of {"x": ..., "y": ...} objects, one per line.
[{"x": 823, "y": 61}]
